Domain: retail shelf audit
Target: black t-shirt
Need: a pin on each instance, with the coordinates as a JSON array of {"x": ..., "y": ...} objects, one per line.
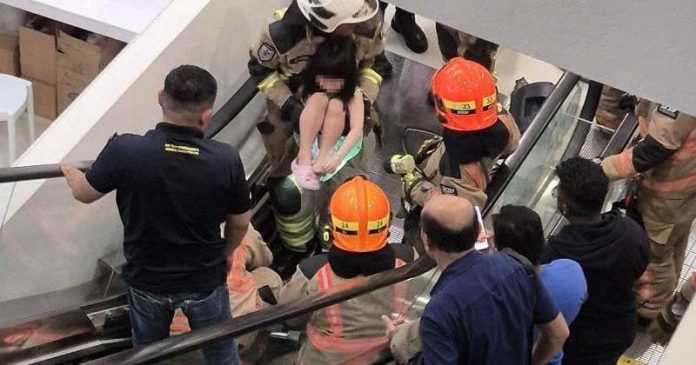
[{"x": 173, "y": 190}]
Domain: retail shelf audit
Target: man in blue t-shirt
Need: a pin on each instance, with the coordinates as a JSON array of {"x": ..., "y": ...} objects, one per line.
[
  {"x": 483, "y": 308},
  {"x": 519, "y": 228},
  {"x": 173, "y": 190}
]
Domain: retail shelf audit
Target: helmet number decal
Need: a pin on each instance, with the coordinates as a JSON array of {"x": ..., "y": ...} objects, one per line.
[
  {"x": 266, "y": 52},
  {"x": 488, "y": 102},
  {"x": 460, "y": 107}
]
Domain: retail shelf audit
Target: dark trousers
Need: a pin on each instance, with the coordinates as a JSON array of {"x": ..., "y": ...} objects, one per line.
[{"x": 151, "y": 316}]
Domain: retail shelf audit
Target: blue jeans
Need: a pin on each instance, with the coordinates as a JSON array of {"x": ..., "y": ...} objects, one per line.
[{"x": 151, "y": 315}]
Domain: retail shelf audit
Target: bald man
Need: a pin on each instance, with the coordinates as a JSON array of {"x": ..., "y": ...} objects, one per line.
[{"x": 483, "y": 308}]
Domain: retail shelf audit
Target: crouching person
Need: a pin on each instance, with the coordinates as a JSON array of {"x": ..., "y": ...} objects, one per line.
[
  {"x": 252, "y": 286},
  {"x": 350, "y": 332}
]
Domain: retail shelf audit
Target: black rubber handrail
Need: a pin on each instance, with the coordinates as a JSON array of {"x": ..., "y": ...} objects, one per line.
[
  {"x": 190, "y": 341},
  {"x": 177, "y": 345},
  {"x": 220, "y": 120},
  {"x": 536, "y": 129},
  {"x": 583, "y": 127}
]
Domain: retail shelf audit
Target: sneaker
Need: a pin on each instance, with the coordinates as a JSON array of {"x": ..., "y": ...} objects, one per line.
[{"x": 305, "y": 175}]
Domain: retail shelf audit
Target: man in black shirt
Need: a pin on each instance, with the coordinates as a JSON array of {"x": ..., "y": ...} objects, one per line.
[
  {"x": 173, "y": 190},
  {"x": 612, "y": 250}
]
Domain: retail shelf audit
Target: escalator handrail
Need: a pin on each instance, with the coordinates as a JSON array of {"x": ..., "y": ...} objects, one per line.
[
  {"x": 180, "y": 344},
  {"x": 220, "y": 120},
  {"x": 177, "y": 345},
  {"x": 536, "y": 129}
]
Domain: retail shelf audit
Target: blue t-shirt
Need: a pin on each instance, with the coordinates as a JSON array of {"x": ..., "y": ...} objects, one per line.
[
  {"x": 565, "y": 282},
  {"x": 482, "y": 311}
]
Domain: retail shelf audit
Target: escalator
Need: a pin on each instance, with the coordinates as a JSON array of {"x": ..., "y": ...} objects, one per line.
[{"x": 98, "y": 328}]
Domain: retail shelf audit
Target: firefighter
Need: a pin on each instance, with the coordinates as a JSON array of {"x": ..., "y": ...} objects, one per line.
[
  {"x": 277, "y": 62},
  {"x": 614, "y": 105},
  {"x": 360, "y": 217},
  {"x": 252, "y": 286},
  {"x": 476, "y": 132},
  {"x": 665, "y": 163},
  {"x": 454, "y": 43}
]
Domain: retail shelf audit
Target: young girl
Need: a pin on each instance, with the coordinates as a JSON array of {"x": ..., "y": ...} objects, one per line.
[{"x": 334, "y": 113}]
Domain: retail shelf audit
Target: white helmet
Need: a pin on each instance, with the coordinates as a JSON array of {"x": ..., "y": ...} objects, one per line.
[{"x": 327, "y": 15}]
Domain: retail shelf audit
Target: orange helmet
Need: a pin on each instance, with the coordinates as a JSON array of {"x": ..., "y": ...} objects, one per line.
[
  {"x": 360, "y": 215},
  {"x": 465, "y": 96}
]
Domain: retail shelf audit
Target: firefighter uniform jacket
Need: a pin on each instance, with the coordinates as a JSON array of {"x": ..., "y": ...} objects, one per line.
[
  {"x": 288, "y": 42},
  {"x": 249, "y": 272},
  {"x": 348, "y": 330},
  {"x": 442, "y": 176},
  {"x": 666, "y": 160}
]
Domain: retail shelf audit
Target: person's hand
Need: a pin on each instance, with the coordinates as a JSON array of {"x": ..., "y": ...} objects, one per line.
[
  {"x": 66, "y": 168},
  {"x": 391, "y": 325},
  {"x": 331, "y": 164}
]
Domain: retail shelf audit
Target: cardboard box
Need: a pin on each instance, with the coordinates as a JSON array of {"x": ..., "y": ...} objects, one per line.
[
  {"x": 37, "y": 54},
  {"x": 44, "y": 98},
  {"x": 9, "y": 54},
  {"x": 70, "y": 84},
  {"x": 86, "y": 58},
  {"x": 79, "y": 62}
]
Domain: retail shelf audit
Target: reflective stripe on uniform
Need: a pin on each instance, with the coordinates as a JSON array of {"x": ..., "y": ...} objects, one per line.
[
  {"x": 400, "y": 291},
  {"x": 335, "y": 342},
  {"x": 267, "y": 84},
  {"x": 688, "y": 148},
  {"x": 333, "y": 313},
  {"x": 682, "y": 184},
  {"x": 278, "y": 14},
  {"x": 239, "y": 281},
  {"x": 371, "y": 75},
  {"x": 477, "y": 174},
  {"x": 624, "y": 163}
]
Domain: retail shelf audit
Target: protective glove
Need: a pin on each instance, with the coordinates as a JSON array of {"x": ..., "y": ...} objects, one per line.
[
  {"x": 291, "y": 109},
  {"x": 427, "y": 148}
]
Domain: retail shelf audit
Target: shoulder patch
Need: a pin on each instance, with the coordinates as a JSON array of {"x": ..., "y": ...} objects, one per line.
[
  {"x": 448, "y": 190},
  {"x": 667, "y": 111},
  {"x": 266, "y": 52}
]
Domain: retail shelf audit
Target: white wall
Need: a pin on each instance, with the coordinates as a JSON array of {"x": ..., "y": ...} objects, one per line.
[
  {"x": 647, "y": 47},
  {"x": 51, "y": 242},
  {"x": 10, "y": 19}
]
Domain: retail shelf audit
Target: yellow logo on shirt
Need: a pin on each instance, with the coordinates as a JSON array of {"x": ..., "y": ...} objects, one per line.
[{"x": 194, "y": 151}]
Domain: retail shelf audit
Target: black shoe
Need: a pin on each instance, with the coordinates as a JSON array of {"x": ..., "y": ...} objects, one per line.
[{"x": 405, "y": 24}]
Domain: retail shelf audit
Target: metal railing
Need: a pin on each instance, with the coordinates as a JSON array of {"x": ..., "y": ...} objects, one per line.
[{"x": 220, "y": 120}]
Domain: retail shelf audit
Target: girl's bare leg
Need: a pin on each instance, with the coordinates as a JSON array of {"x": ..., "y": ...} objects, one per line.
[
  {"x": 334, "y": 123},
  {"x": 311, "y": 121}
]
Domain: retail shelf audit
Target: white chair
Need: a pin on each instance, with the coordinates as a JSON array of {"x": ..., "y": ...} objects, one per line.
[{"x": 16, "y": 97}]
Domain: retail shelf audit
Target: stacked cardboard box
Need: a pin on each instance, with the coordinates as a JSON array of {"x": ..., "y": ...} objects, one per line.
[
  {"x": 79, "y": 62},
  {"x": 61, "y": 61},
  {"x": 9, "y": 54},
  {"x": 37, "y": 57}
]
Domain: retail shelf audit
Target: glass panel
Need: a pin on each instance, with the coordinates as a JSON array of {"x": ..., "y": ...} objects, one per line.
[
  {"x": 52, "y": 248},
  {"x": 534, "y": 178}
]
